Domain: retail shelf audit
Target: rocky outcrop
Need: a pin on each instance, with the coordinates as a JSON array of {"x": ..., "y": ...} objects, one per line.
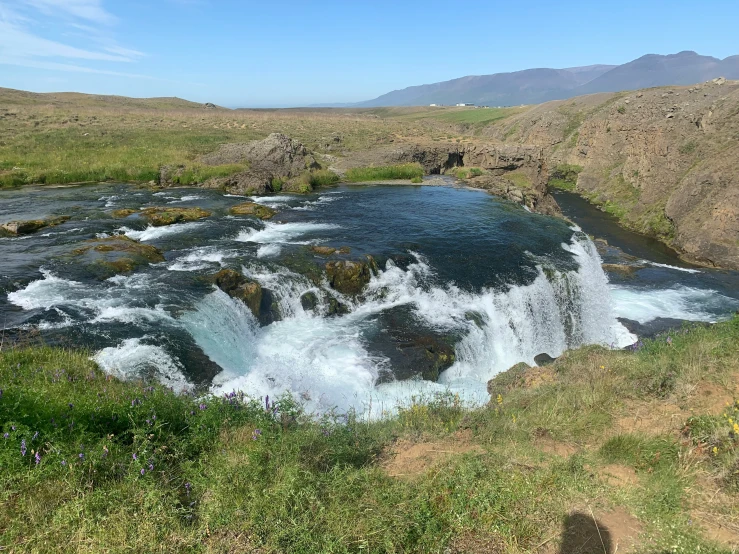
[
  {"x": 15, "y": 228},
  {"x": 664, "y": 160},
  {"x": 158, "y": 217},
  {"x": 276, "y": 158},
  {"x": 253, "y": 208},
  {"x": 329, "y": 250},
  {"x": 236, "y": 285},
  {"x": 110, "y": 256},
  {"x": 350, "y": 277}
]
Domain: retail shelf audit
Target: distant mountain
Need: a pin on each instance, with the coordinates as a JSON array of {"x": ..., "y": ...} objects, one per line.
[{"x": 533, "y": 86}]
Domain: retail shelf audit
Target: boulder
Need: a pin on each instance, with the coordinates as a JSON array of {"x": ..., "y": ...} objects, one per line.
[
  {"x": 544, "y": 359},
  {"x": 350, "y": 277},
  {"x": 159, "y": 217},
  {"x": 114, "y": 255},
  {"x": 236, "y": 285},
  {"x": 276, "y": 157},
  {"x": 253, "y": 208},
  {"x": 15, "y": 228},
  {"x": 309, "y": 301}
]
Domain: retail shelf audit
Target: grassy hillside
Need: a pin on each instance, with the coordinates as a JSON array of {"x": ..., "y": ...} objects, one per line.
[{"x": 628, "y": 451}]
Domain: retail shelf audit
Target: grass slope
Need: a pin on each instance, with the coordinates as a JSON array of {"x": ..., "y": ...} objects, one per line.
[{"x": 628, "y": 439}]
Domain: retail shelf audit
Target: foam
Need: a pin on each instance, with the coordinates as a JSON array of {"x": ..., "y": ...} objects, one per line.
[
  {"x": 154, "y": 233},
  {"x": 679, "y": 302},
  {"x": 285, "y": 233},
  {"x": 667, "y": 266}
]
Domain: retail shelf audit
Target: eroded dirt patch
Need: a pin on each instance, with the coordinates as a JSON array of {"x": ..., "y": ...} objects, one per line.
[
  {"x": 618, "y": 475},
  {"x": 408, "y": 458}
]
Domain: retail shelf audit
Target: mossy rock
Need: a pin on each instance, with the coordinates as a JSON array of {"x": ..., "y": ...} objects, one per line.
[
  {"x": 508, "y": 380},
  {"x": 123, "y": 212},
  {"x": 329, "y": 250},
  {"x": 255, "y": 209},
  {"x": 115, "y": 255},
  {"x": 350, "y": 277},
  {"x": 236, "y": 285},
  {"x": 15, "y": 228},
  {"x": 159, "y": 217}
]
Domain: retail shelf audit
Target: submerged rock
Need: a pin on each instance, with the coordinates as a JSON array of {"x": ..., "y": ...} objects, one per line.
[
  {"x": 236, "y": 285},
  {"x": 350, "y": 277},
  {"x": 309, "y": 301},
  {"x": 329, "y": 250},
  {"x": 158, "y": 217},
  {"x": 123, "y": 212},
  {"x": 114, "y": 255},
  {"x": 253, "y": 208},
  {"x": 15, "y": 228}
]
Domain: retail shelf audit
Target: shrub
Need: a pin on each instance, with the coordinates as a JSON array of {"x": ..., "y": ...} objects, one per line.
[
  {"x": 565, "y": 176},
  {"x": 323, "y": 177},
  {"x": 621, "y": 109},
  {"x": 475, "y": 172}
]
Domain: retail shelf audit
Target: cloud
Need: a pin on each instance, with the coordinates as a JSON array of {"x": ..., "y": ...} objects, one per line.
[
  {"x": 53, "y": 34},
  {"x": 89, "y": 10}
]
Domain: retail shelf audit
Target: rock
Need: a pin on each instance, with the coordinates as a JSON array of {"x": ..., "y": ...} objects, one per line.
[
  {"x": 622, "y": 269},
  {"x": 124, "y": 212},
  {"x": 336, "y": 308},
  {"x": 209, "y": 106},
  {"x": 236, "y": 285},
  {"x": 350, "y": 277},
  {"x": 323, "y": 250},
  {"x": 114, "y": 255},
  {"x": 413, "y": 350},
  {"x": 309, "y": 301},
  {"x": 670, "y": 116},
  {"x": 276, "y": 157},
  {"x": 543, "y": 359},
  {"x": 159, "y": 217},
  {"x": 253, "y": 208},
  {"x": 719, "y": 80},
  {"x": 14, "y": 228}
]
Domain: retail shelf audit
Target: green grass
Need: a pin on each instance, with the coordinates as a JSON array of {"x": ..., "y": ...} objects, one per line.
[
  {"x": 212, "y": 474},
  {"x": 564, "y": 177},
  {"x": 386, "y": 172}
]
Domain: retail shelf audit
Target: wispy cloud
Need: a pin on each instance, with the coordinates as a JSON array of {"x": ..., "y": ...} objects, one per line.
[
  {"x": 62, "y": 35},
  {"x": 90, "y": 10}
]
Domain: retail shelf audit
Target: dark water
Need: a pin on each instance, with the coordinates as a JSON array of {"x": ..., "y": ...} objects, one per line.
[{"x": 495, "y": 282}]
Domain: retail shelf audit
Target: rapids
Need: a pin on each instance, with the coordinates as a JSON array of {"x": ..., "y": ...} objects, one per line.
[{"x": 499, "y": 283}]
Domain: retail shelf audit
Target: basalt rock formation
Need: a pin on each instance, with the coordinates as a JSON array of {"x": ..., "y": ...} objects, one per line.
[
  {"x": 277, "y": 157},
  {"x": 236, "y": 285},
  {"x": 15, "y": 228},
  {"x": 663, "y": 160},
  {"x": 114, "y": 255},
  {"x": 350, "y": 277}
]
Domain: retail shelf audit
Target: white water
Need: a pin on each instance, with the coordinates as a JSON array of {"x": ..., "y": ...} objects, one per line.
[
  {"x": 285, "y": 233},
  {"x": 676, "y": 303},
  {"x": 668, "y": 266},
  {"x": 132, "y": 358},
  {"x": 153, "y": 233},
  {"x": 324, "y": 360}
]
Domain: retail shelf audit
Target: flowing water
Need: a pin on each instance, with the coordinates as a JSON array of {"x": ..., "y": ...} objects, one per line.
[{"x": 498, "y": 283}]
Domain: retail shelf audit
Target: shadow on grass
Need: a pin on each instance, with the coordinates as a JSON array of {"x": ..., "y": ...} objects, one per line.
[{"x": 582, "y": 534}]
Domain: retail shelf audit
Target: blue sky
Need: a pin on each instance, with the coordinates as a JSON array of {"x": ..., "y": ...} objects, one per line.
[{"x": 290, "y": 53}]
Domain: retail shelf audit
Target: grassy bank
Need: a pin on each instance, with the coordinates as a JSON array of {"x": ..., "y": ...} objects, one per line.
[
  {"x": 385, "y": 172},
  {"x": 636, "y": 441}
]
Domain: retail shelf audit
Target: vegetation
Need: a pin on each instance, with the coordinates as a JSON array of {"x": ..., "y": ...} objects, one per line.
[
  {"x": 386, "y": 172},
  {"x": 564, "y": 177},
  {"x": 90, "y": 463}
]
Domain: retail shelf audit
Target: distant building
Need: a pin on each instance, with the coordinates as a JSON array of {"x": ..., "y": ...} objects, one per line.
[
  {"x": 465, "y": 104},
  {"x": 432, "y": 105}
]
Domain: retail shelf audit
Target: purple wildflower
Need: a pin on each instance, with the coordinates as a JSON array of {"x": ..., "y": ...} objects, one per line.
[
  {"x": 35, "y": 435},
  {"x": 202, "y": 407},
  {"x": 134, "y": 456},
  {"x": 143, "y": 471},
  {"x": 64, "y": 462},
  {"x": 188, "y": 486},
  {"x": 669, "y": 340},
  {"x": 37, "y": 457},
  {"x": 5, "y": 435},
  {"x": 151, "y": 467},
  {"x": 266, "y": 403},
  {"x": 255, "y": 435},
  {"x": 12, "y": 427},
  {"x": 1, "y": 393},
  {"x": 82, "y": 456},
  {"x": 23, "y": 447}
]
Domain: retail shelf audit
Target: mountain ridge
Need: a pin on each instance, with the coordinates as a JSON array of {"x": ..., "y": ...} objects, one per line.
[{"x": 538, "y": 85}]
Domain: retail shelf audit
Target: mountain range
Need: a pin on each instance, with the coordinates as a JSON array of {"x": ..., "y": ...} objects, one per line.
[{"x": 533, "y": 86}]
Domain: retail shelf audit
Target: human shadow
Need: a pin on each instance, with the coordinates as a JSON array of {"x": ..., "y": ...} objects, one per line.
[{"x": 583, "y": 534}]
